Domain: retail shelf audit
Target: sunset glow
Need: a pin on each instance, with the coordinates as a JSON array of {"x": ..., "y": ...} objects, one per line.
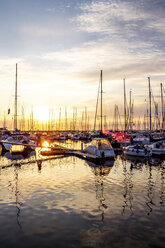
[
  {"x": 61, "y": 46},
  {"x": 41, "y": 114},
  {"x": 45, "y": 144},
  {"x": 82, "y": 123}
]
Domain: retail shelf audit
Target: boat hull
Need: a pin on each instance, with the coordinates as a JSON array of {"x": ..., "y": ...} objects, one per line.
[
  {"x": 137, "y": 152},
  {"x": 99, "y": 153},
  {"x": 158, "y": 152}
]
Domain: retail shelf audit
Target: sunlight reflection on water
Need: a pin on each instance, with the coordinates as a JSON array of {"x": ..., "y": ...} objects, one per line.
[{"x": 69, "y": 202}]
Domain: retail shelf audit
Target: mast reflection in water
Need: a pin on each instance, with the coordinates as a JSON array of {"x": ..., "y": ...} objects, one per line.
[{"x": 69, "y": 202}]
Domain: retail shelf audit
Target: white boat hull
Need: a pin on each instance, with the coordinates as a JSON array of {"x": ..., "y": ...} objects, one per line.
[
  {"x": 99, "y": 153},
  {"x": 131, "y": 151},
  {"x": 159, "y": 152},
  {"x": 136, "y": 154}
]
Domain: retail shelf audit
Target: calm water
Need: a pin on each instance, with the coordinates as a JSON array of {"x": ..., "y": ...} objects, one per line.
[{"x": 69, "y": 202}]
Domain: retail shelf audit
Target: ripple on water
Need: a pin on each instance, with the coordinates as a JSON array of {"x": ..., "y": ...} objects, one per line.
[{"x": 72, "y": 203}]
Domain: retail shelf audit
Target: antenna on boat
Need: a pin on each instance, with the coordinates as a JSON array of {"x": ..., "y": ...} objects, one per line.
[{"x": 15, "y": 104}]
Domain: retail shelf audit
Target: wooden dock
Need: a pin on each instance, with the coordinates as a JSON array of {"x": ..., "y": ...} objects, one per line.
[{"x": 61, "y": 150}]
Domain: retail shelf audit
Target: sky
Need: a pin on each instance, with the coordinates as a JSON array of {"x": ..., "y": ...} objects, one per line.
[{"x": 61, "y": 46}]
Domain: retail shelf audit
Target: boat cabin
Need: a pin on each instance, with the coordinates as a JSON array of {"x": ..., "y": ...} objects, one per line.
[{"x": 101, "y": 143}]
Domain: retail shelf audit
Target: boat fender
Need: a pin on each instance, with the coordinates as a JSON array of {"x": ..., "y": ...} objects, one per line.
[{"x": 102, "y": 155}]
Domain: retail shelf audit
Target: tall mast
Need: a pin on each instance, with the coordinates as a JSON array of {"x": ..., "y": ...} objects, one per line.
[
  {"x": 162, "y": 102},
  {"x": 116, "y": 114},
  {"x": 15, "y": 105},
  {"x": 31, "y": 119},
  {"x": 85, "y": 119},
  {"x": 130, "y": 111},
  {"x": 132, "y": 116},
  {"x": 97, "y": 106},
  {"x": 76, "y": 118},
  {"x": 49, "y": 119},
  {"x": 66, "y": 120},
  {"x": 59, "y": 126},
  {"x": 115, "y": 119},
  {"x": 73, "y": 119},
  {"x": 52, "y": 119},
  {"x": 101, "y": 104},
  {"x": 149, "y": 100},
  {"x": 125, "y": 112}
]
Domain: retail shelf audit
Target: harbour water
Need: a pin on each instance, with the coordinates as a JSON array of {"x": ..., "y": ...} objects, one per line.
[{"x": 70, "y": 202}]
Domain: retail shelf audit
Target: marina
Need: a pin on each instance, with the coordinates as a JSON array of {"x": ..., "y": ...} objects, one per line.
[
  {"x": 82, "y": 188},
  {"x": 82, "y": 124}
]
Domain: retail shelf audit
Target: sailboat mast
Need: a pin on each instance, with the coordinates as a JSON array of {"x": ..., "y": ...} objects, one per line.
[
  {"x": 130, "y": 111},
  {"x": 162, "y": 102},
  {"x": 15, "y": 105},
  {"x": 97, "y": 106},
  {"x": 66, "y": 120},
  {"x": 101, "y": 104},
  {"x": 125, "y": 113},
  {"x": 59, "y": 120},
  {"x": 149, "y": 100},
  {"x": 85, "y": 119}
]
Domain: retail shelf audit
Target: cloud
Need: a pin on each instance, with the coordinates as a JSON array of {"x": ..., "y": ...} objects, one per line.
[
  {"x": 125, "y": 19},
  {"x": 123, "y": 38},
  {"x": 116, "y": 58}
]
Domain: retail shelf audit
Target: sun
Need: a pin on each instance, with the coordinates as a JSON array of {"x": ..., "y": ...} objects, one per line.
[{"x": 41, "y": 114}]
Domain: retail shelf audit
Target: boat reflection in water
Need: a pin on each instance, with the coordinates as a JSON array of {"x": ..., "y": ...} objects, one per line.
[
  {"x": 128, "y": 187},
  {"x": 19, "y": 156},
  {"x": 136, "y": 162},
  {"x": 140, "y": 161},
  {"x": 18, "y": 202},
  {"x": 100, "y": 171},
  {"x": 150, "y": 166}
]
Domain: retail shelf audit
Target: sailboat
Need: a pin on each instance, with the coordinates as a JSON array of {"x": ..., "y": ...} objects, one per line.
[
  {"x": 100, "y": 147},
  {"x": 16, "y": 137}
]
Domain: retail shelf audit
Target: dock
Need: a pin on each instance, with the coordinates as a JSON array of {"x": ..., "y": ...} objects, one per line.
[{"x": 61, "y": 150}]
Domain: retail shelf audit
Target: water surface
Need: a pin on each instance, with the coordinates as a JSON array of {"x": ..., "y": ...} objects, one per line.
[{"x": 69, "y": 202}]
